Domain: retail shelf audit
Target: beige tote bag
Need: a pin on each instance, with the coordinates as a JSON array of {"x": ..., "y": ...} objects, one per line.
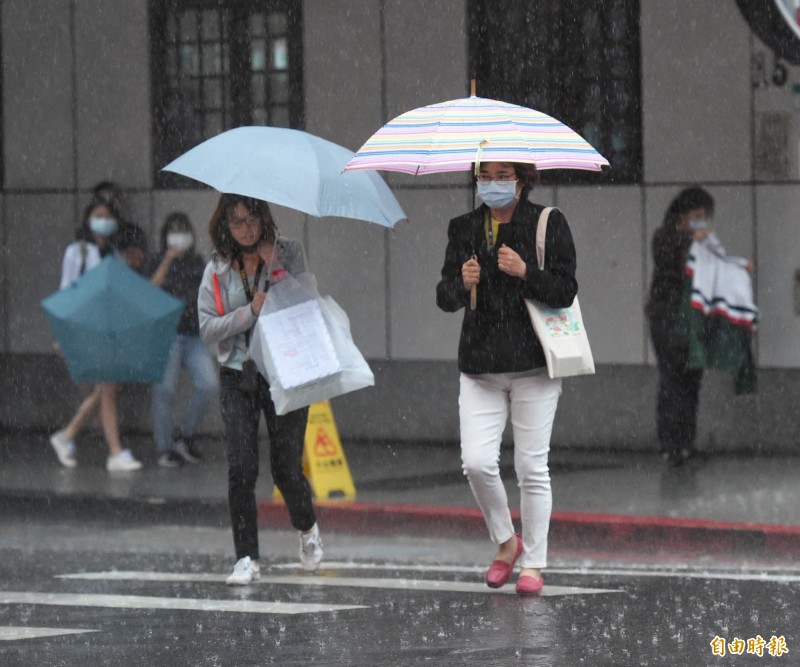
[{"x": 560, "y": 330}]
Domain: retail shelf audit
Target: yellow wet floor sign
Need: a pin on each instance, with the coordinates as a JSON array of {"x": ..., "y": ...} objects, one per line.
[{"x": 324, "y": 463}]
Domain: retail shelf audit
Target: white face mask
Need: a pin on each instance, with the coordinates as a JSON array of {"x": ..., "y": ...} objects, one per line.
[
  {"x": 180, "y": 241},
  {"x": 498, "y": 194},
  {"x": 103, "y": 226}
]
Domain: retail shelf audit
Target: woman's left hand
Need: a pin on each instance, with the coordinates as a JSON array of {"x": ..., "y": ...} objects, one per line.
[{"x": 508, "y": 261}]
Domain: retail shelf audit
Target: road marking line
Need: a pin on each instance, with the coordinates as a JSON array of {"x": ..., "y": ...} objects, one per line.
[
  {"x": 680, "y": 574},
  {"x": 186, "y": 604},
  {"x": 349, "y": 582},
  {"x": 581, "y": 571},
  {"x": 12, "y": 633}
]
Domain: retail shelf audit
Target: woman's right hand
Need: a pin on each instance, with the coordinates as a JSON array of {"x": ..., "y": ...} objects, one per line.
[
  {"x": 471, "y": 273},
  {"x": 257, "y": 303}
]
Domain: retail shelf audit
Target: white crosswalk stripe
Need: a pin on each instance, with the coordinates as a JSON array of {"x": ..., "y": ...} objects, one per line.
[
  {"x": 152, "y": 602},
  {"x": 14, "y": 633},
  {"x": 444, "y": 586},
  {"x": 784, "y": 576}
]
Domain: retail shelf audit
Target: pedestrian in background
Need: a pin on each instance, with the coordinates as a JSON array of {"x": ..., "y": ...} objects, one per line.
[
  {"x": 95, "y": 240},
  {"x": 687, "y": 219},
  {"x": 178, "y": 269},
  {"x": 246, "y": 250},
  {"x": 130, "y": 239},
  {"x": 502, "y": 363}
]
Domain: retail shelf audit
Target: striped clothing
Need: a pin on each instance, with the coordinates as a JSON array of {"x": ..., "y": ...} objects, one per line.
[{"x": 719, "y": 314}]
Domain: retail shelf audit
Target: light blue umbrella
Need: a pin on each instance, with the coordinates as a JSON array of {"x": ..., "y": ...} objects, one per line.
[
  {"x": 113, "y": 325},
  {"x": 290, "y": 168}
]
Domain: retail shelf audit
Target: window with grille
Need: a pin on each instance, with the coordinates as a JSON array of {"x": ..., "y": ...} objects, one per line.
[
  {"x": 219, "y": 64},
  {"x": 577, "y": 61}
]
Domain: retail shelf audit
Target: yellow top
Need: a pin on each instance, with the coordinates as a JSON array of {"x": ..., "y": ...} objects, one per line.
[{"x": 491, "y": 240}]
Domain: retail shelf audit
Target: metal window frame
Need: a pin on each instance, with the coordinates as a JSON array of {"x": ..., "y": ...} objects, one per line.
[
  {"x": 490, "y": 67},
  {"x": 239, "y": 75}
]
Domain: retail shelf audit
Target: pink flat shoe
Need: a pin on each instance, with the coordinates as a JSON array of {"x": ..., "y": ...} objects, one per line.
[
  {"x": 529, "y": 585},
  {"x": 499, "y": 571}
]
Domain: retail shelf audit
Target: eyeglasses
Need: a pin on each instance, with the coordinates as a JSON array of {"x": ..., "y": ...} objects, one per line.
[
  {"x": 251, "y": 220},
  {"x": 503, "y": 178}
]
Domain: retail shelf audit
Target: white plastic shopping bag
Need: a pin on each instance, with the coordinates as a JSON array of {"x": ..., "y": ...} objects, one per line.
[
  {"x": 560, "y": 331},
  {"x": 302, "y": 344}
]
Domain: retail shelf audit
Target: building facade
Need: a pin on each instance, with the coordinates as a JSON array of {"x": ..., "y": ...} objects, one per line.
[{"x": 86, "y": 96}]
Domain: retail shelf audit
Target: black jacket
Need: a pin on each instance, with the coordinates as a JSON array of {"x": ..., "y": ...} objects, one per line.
[
  {"x": 183, "y": 281},
  {"x": 498, "y": 336},
  {"x": 670, "y": 252}
]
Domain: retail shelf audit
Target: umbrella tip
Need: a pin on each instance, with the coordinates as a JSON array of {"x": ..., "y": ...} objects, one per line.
[{"x": 472, "y": 87}]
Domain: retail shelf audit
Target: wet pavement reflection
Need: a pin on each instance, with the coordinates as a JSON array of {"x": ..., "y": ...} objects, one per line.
[{"x": 133, "y": 596}]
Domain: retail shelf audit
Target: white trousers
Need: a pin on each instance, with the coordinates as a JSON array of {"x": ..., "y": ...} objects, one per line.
[{"x": 484, "y": 404}]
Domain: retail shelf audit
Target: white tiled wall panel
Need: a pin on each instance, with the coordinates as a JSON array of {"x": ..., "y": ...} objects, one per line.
[
  {"x": 777, "y": 261},
  {"x": 419, "y": 329},
  {"x": 342, "y": 70},
  {"x": 696, "y": 91},
  {"x": 38, "y": 229},
  {"x": 37, "y": 94},
  {"x": 606, "y": 225},
  {"x": 113, "y": 92}
]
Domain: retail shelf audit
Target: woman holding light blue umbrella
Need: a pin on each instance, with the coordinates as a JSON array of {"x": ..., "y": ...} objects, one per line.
[
  {"x": 248, "y": 253},
  {"x": 254, "y": 166}
]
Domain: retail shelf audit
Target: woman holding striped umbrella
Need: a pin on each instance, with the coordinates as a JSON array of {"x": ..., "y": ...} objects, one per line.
[
  {"x": 490, "y": 267},
  {"x": 493, "y": 250}
]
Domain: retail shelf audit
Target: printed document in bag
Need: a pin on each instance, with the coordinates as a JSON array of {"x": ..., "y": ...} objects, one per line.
[{"x": 300, "y": 345}]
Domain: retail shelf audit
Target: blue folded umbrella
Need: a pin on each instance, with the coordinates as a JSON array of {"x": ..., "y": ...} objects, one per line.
[{"x": 113, "y": 325}]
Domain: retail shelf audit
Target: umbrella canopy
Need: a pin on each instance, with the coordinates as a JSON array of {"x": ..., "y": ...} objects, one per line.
[
  {"x": 290, "y": 168},
  {"x": 452, "y": 136},
  {"x": 113, "y": 325}
]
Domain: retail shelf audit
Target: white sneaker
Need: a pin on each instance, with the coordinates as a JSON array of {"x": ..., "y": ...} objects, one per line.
[
  {"x": 310, "y": 549},
  {"x": 123, "y": 462},
  {"x": 245, "y": 572},
  {"x": 65, "y": 449}
]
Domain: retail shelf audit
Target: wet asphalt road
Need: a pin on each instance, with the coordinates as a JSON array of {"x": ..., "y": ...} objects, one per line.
[{"x": 153, "y": 595}]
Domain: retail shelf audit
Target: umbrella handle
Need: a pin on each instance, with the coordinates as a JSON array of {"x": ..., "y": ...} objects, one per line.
[{"x": 473, "y": 297}]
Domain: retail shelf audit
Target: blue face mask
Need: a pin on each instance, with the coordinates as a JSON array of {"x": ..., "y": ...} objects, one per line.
[
  {"x": 498, "y": 194},
  {"x": 103, "y": 226}
]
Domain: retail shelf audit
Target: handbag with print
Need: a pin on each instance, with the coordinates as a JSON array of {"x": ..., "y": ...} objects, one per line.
[{"x": 560, "y": 331}]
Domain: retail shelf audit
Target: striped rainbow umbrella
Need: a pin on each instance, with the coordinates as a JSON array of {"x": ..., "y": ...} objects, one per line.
[{"x": 452, "y": 136}]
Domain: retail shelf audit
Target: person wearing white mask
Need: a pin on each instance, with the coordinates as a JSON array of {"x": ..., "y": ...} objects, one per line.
[
  {"x": 95, "y": 240},
  {"x": 503, "y": 371},
  {"x": 178, "y": 269}
]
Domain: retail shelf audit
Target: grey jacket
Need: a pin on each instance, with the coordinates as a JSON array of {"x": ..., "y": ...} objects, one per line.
[{"x": 220, "y": 330}]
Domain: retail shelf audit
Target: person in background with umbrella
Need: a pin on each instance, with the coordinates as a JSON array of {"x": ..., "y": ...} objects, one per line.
[
  {"x": 130, "y": 239},
  {"x": 502, "y": 364},
  {"x": 95, "y": 241},
  {"x": 178, "y": 269},
  {"x": 246, "y": 251}
]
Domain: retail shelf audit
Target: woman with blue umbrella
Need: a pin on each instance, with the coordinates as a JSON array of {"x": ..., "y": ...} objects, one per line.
[
  {"x": 95, "y": 241},
  {"x": 247, "y": 250}
]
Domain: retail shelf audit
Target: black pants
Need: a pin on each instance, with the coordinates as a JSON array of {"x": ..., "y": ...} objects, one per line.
[
  {"x": 678, "y": 388},
  {"x": 241, "y": 414}
]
